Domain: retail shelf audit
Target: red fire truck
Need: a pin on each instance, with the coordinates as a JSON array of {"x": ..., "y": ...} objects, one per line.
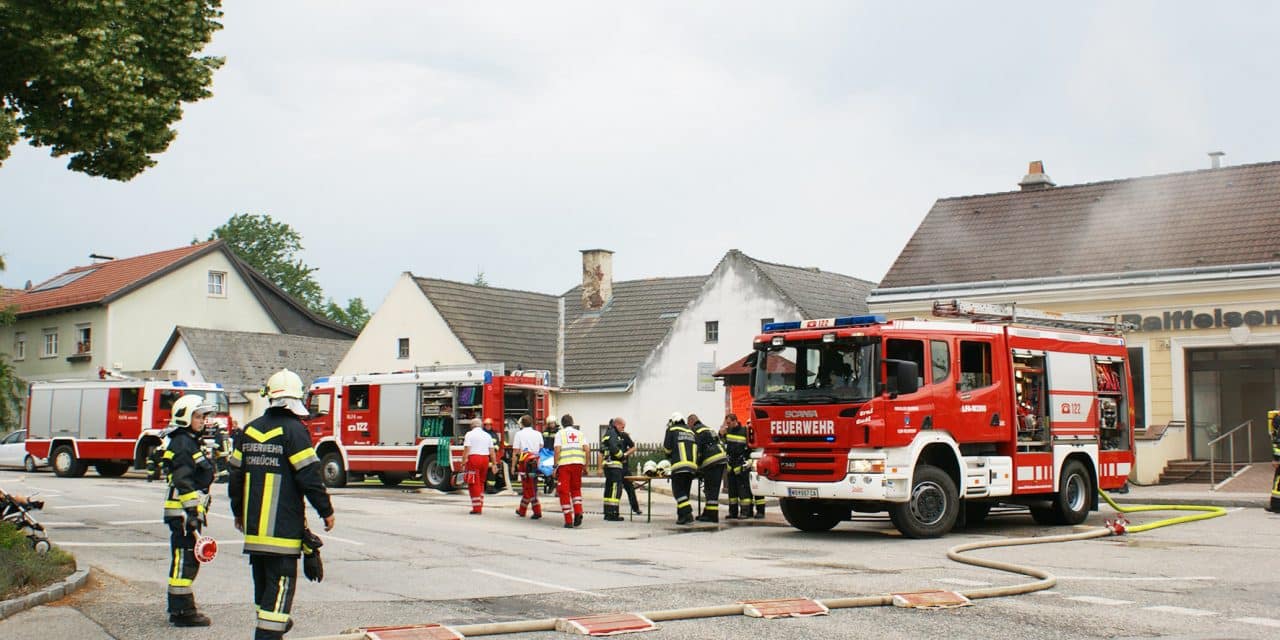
[
  {"x": 936, "y": 421},
  {"x": 111, "y": 424},
  {"x": 396, "y": 425}
]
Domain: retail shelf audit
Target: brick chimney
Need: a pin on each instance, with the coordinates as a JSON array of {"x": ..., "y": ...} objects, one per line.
[
  {"x": 1036, "y": 178},
  {"x": 597, "y": 278}
]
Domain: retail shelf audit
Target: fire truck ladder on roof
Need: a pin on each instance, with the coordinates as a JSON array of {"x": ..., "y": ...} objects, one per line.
[
  {"x": 498, "y": 368},
  {"x": 980, "y": 312}
]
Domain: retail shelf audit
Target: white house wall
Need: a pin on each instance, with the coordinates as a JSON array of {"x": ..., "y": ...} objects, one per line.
[
  {"x": 141, "y": 322},
  {"x": 405, "y": 313},
  {"x": 738, "y": 299}
]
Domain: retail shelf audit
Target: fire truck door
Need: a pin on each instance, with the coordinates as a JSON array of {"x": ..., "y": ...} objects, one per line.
[
  {"x": 909, "y": 413},
  {"x": 320, "y": 404},
  {"x": 359, "y": 425},
  {"x": 981, "y": 389},
  {"x": 162, "y": 407},
  {"x": 124, "y": 412}
]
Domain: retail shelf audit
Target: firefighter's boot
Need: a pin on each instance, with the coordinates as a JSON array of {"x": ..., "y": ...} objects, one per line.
[
  {"x": 711, "y": 514},
  {"x": 759, "y": 508},
  {"x": 733, "y": 509},
  {"x": 189, "y": 618}
]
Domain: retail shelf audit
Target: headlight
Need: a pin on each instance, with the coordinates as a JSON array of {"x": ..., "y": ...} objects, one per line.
[{"x": 866, "y": 466}]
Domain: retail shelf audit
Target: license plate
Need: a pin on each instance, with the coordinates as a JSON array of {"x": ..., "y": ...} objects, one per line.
[{"x": 802, "y": 492}]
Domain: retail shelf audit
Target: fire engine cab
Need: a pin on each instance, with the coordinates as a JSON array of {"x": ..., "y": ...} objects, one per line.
[
  {"x": 397, "y": 425},
  {"x": 936, "y": 421},
  {"x": 113, "y": 424}
]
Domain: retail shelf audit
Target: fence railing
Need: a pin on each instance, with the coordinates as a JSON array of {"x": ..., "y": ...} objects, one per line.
[{"x": 1230, "y": 437}]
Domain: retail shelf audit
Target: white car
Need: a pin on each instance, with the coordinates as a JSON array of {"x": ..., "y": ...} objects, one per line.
[{"x": 13, "y": 452}]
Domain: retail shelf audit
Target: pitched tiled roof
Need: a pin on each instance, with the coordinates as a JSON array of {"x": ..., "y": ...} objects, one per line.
[
  {"x": 818, "y": 294},
  {"x": 517, "y": 328},
  {"x": 1212, "y": 217},
  {"x": 607, "y": 348},
  {"x": 105, "y": 281},
  {"x": 243, "y": 360},
  {"x": 6, "y": 296}
]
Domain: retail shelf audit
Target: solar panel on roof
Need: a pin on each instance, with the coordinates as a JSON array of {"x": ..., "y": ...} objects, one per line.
[{"x": 63, "y": 280}]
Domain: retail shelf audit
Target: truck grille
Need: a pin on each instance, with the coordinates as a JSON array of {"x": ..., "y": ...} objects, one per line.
[{"x": 812, "y": 466}]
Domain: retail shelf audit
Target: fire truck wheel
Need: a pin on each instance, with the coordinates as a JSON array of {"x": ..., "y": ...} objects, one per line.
[
  {"x": 65, "y": 464},
  {"x": 111, "y": 469},
  {"x": 933, "y": 507},
  {"x": 29, "y": 464},
  {"x": 436, "y": 476},
  {"x": 391, "y": 479},
  {"x": 332, "y": 471},
  {"x": 808, "y": 515},
  {"x": 1072, "y": 502}
]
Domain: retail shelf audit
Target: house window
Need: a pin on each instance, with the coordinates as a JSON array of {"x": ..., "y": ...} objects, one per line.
[
  {"x": 404, "y": 349},
  {"x": 50, "y": 343},
  {"x": 713, "y": 331},
  {"x": 84, "y": 338},
  {"x": 19, "y": 346},
  {"x": 218, "y": 284},
  {"x": 763, "y": 322}
]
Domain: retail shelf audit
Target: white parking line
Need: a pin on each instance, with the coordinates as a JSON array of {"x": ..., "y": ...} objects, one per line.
[
  {"x": 327, "y": 537},
  {"x": 151, "y": 521},
  {"x": 1181, "y": 611},
  {"x": 82, "y": 506},
  {"x": 221, "y": 543},
  {"x": 548, "y": 585},
  {"x": 963, "y": 583},
  {"x": 1137, "y": 578},
  {"x": 62, "y": 525},
  {"x": 124, "y": 499},
  {"x": 1106, "y": 602},
  {"x": 1266, "y": 622}
]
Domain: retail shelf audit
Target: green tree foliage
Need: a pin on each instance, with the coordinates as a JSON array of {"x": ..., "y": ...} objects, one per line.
[
  {"x": 273, "y": 248},
  {"x": 354, "y": 315},
  {"x": 12, "y": 388},
  {"x": 480, "y": 280},
  {"x": 102, "y": 80}
]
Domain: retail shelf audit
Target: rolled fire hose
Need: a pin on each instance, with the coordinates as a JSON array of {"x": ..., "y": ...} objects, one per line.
[{"x": 1044, "y": 579}]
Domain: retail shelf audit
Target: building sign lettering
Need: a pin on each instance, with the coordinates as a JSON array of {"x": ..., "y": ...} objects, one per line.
[{"x": 1193, "y": 319}]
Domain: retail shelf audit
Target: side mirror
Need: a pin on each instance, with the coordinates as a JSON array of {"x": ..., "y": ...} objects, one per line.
[
  {"x": 903, "y": 377},
  {"x": 750, "y": 362}
]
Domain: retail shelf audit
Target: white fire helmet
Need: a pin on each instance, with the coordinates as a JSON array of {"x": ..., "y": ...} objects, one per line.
[
  {"x": 650, "y": 468},
  {"x": 676, "y": 418},
  {"x": 664, "y": 468},
  {"x": 186, "y": 407},
  {"x": 284, "y": 384}
]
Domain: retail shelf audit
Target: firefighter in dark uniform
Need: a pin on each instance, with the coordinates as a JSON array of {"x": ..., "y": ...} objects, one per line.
[
  {"x": 1273, "y": 423},
  {"x": 739, "y": 478},
  {"x": 189, "y": 472},
  {"x": 711, "y": 464},
  {"x": 272, "y": 467},
  {"x": 613, "y": 458},
  {"x": 681, "y": 447}
]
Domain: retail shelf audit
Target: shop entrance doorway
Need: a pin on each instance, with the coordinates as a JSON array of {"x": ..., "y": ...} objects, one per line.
[{"x": 1228, "y": 387}]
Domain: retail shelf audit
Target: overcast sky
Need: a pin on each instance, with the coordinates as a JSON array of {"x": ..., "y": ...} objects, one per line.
[{"x": 446, "y": 138}]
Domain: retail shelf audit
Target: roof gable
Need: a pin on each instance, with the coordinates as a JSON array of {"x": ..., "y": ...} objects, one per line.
[
  {"x": 100, "y": 283},
  {"x": 1196, "y": 219},
  {"x": 243, "y": 360},
  {"x": 517, "y": 328}
]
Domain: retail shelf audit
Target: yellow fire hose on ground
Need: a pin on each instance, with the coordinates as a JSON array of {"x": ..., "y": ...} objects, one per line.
[{"x": 1044, "y": 579}]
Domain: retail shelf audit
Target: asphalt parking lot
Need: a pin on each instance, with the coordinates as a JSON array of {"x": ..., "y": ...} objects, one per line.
[{"x": 408, "y": 555}]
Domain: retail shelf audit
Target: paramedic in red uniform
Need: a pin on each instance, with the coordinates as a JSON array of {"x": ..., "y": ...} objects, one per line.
[
  {"x": 478, "y": 451},
  {"x": 524, "y": 450},
  {"x": 571, "y": 460}
]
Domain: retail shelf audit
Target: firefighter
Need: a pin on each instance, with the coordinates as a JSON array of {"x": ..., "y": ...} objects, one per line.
[
  {"x": 189, "y": 473},
  {"x": 1274, "y": 425},
  {"x": 711, "y": 464},
  {"x": 571, "y": 460},
  {"x": 739, "y": 478},
  {"x": 613, "y": 455},
  {"x": 628, "y": 449},
  {"x": 478, "y": 453},
  {"x": 525, "y": 449},
  {"x": 680, "y": 445},
  {"x": 272, "y": 468},
  {"x": 491, "y": 478}
]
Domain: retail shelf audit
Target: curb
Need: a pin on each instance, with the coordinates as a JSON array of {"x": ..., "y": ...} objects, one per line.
[
  {"x": 51, "y": 593},
  {"x": 1211, "y": 501}
]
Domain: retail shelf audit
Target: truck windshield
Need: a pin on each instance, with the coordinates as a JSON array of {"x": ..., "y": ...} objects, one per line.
[
  {"x": 815, "y": 373},
  {"x": 217, "y": 398}
]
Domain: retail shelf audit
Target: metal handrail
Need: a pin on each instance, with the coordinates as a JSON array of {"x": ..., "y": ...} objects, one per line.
[{"x": 1231, "y": 437}]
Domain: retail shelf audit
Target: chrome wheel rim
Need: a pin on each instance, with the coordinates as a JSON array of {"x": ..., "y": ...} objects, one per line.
[{"x": 928, "y": 503}]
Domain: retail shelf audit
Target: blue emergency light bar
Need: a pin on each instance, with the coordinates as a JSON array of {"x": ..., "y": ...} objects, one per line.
[
  {"x": 321, "y": 379},
  {"x": 179, "y": 383},
  {"x": 825, "y": 323}
]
